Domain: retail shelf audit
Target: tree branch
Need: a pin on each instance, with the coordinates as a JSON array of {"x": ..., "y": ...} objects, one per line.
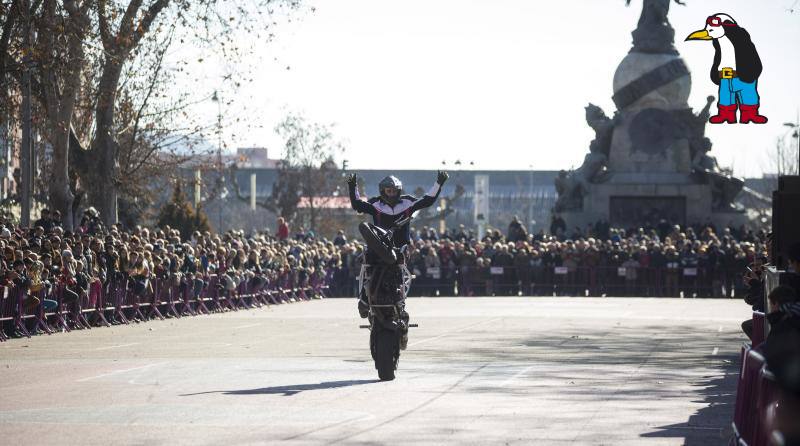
[
  {"x": 126, "y": 24},
  {"x": 11, "y": 19},
  {"x": 148, "y": 19},
  {"x": 105, "y": 27},
  {"x": 151, "y": 88}
]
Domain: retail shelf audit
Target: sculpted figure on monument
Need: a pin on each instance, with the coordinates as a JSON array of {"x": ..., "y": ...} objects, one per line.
[
  {"x": 696, "y": 129},
  {"x": 572, "y": 186},
  {"x": 724, "y": 187},
  {"x": 593, "y": 169},
  {"x": 603, "y": 127}
]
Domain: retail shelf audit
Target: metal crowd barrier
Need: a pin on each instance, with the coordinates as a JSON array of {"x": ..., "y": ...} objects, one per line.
[
  {"x": 24, "y": 313},
  {"x": 757, "y": 396},
  {"x": 559, "y": 280}
]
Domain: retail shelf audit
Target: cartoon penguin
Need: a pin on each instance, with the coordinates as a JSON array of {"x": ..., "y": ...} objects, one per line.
[{"x": 736, "y": 69}]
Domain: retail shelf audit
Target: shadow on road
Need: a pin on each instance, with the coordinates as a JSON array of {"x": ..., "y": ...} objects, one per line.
[
  {"x": 651, "y": 367},
  {"x": 291, "y": 389},
  {"x": 709, "y": 425}
]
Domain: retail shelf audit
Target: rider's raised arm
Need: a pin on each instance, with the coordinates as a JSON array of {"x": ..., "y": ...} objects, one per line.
[
  {"x": 428, "y": 199},
  {"x": 357, "y": 203}
]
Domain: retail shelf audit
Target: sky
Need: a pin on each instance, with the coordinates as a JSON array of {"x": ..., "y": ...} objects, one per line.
[{"x": 501, "y": 83}]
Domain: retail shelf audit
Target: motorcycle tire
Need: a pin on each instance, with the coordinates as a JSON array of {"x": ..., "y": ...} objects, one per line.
[
  {"x": 385, "y": 354},
  {"x": 376, "y": 245}
]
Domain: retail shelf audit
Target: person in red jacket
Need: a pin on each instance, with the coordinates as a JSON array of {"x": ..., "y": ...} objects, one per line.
[{"x": 283, "y": 229}]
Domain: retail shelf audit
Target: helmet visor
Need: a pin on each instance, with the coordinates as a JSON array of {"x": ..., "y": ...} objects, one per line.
[{"x": 391, "y": 192}]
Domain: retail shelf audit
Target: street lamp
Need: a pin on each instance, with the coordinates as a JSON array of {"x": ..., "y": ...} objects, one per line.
[
  {"x": 530, "y": 199},
  {"x": 221, "y": 185}
]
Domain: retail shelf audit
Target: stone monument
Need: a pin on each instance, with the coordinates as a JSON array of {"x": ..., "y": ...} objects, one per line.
[{"x": 650, "y": 160}]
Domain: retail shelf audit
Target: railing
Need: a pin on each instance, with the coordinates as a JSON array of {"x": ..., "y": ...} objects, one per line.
[
  {"x": 760, "y": 400},
  {"x": 124, "y": 299},
  {"x": 757, "y": 402},
  {"x": 559, "y": 281}
]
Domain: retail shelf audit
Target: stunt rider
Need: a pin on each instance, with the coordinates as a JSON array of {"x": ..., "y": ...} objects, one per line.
[{"x": 387, "y": 208}]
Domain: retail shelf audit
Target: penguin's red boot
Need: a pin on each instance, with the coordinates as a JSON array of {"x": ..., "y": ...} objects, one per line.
[
  {"x": 750, "y": 114},
  {"x": 727, "y": 113}
]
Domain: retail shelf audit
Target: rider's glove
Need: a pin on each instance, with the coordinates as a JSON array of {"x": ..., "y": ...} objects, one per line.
[
  {"x": 352, "y": 180},
  {"x": 441, "y": 177}
]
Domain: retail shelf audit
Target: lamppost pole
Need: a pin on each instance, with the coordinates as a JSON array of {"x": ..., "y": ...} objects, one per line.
[
  {"x": 217, "y": 99},
  {"x": 530, "y": 199}
]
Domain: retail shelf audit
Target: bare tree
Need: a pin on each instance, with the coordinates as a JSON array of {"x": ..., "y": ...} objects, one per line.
[
  {"x": 307, "y": 173},
  {"x": 106, "y": 103},
  {"x": 309, "y": 152},
  {"x": 124, "y": 26},
  {"x": 783, "y": 158}
]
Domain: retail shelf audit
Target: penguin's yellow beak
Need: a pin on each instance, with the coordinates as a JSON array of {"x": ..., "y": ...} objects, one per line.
[{"x": 699, "y": 35}]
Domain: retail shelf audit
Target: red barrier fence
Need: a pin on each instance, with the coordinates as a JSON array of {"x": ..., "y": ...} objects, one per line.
[
  {"x": 541, "y": 280},
  {"x": 758, "y": 398},
  {"x": 24, "y": 312}
]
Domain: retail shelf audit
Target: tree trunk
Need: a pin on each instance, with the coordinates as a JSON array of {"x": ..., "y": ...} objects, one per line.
[
  {"x": 105, "y": 148},
  {"x": 60, "y": 194}
]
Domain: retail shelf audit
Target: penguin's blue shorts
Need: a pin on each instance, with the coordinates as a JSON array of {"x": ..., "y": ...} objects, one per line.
[{"x": 735, "y": 90}]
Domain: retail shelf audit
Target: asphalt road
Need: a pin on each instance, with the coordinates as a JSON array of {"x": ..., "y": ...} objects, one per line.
[{"x": 477, "y": 371}]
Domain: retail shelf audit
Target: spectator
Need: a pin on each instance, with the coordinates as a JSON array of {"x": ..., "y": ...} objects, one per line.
[
  {"x": 90, "y": 222},
  {"x": 754, "y": 279},
  {"x": 631, "y": 266},
  {"x": 55, "y": 219},
  {"x": 557, "y": 226},
  {"x": 340, "y": 239},
  {"x": 283, "y": 229},
  {"x": 516, "y": 232},
  {"x": 522, "y": 265},
  {"x": 782, "y": 346},
  {"x": 44, "y": 220}
]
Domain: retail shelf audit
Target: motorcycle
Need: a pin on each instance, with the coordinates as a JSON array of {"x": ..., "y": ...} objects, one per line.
[{"x": 385, "y": 280}]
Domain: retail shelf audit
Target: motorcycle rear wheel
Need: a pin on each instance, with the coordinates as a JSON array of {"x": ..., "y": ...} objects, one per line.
[{"x": 385, "y": 350}]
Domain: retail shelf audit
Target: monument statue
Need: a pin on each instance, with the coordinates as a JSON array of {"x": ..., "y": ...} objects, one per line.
[{"x": 652, "y": 157}]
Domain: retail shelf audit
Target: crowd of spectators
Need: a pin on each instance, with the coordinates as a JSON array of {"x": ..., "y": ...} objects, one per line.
[
  {"x": 664, "y": 260},
  {"x": 92, "y": 259},
  {"x": 646, "y": 261}
]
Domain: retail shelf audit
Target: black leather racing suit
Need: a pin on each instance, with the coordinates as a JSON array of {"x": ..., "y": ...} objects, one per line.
[{"x": 385, "y": 215}]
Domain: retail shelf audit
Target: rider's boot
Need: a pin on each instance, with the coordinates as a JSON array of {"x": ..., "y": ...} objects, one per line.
[{"x": 363, "y": 306}]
